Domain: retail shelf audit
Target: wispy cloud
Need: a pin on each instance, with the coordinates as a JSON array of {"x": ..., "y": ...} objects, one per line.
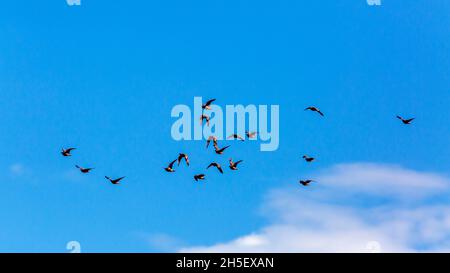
[
  {"x": 17, "y": 169},
  {"x": 161, "y": 241},
  {"x": 315, "y": 224},
  {"x": 385, "y": 180}
]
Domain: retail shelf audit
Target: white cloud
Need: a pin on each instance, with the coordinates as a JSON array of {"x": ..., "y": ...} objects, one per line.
[
  {"x": 386, "y": 180},
  {"x": 301, "y": 223},
  {"x": 163, "y": 242},
  {"x": 17, "y": 169}
]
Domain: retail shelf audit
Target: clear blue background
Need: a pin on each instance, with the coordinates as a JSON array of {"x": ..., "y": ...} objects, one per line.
[{"x": 104, "y": 76}]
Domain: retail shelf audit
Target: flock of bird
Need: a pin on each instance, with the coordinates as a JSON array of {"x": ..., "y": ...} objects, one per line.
[
  {"x": 308, "y": 159},
  {"x": 233, "y": 165},
  {"x": 68, "y": 152},
  {"x": 218, "y": 150}
]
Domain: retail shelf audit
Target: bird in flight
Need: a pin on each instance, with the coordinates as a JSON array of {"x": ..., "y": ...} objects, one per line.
[
  {"x": 306, "y": 182},
  {"x": 66, "y": 152},
  {"x": 405, "y": 121},
  {"x": 207, "y": 105},
  {"x": 235, "y": 136},
  {"x": 314, "y": 109},
  {"x": 308, "y": 159},
  {"x": 233, "y": 165},
  {"x": 114, "y": 181},
  {"x": 169, "y": 168},
  {"x": 181, "y": 156},
  {"x": 84, "y": 170},
  {"x": 217, "y": 165},
  {"x": 198, "y": 177},
  {"x": 213, "y": 139},
  {"x": 220, "y": 151},
  {"x": 251, "y": 134},
  {"x": 204, "y": 117}
]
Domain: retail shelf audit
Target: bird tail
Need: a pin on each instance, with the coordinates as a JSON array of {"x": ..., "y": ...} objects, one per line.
[
  {"x": 77, "y": 166},
  {"x": 107, "y": 177}
]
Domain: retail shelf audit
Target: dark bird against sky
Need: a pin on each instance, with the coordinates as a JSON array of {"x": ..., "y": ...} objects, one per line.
[
  {"x": 207, "y": 105},
  {"x": 220, "y": 151},
  {"x": 251, "y": 134},
  {"x": 213, "y": 139},
  {"x": 235, "y": 136},
  {"x": 198, "y": 177},
  {"x": 169, "y": 168},
  {"x": 204, "y": 117},
  {"x": 233, "y": 165},
  {"x": 114, "y": 181},
  {"x": 217, "y": 165},
  {"x": 314, "y": 109},
  {"x": 67, "y": 152},
  {"x": 84, "y": 170},
  {"x": 308, "y": 159},
  {"x": 405, "y": 121},
  {"x": 182, "y": 156},
  {"x": 306, "y": 182}
]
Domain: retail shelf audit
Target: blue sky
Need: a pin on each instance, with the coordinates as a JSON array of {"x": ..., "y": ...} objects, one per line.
[{"x": 104, "y": 76}]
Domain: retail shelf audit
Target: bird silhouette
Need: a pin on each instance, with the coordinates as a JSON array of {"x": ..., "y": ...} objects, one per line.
[
  {"x": 198, "y": 177},
  {"x": 405, "y": 121},
  {"x": 217, "y": 165},
  {"x": 84, "y": 170},
  {"x": 233, "y": 165},
  {"x": 314, "y": 109},
  {"x": 220, "y": 151},
  {"x": 204, "y": 117},
  {"x": 207, "y": 105},
  {"x": 251, "y": 134},
  {"x": 67, "y": 152},
  {"x": 114, "y": 181},
  {"x": 213, "y": 139},
  {"x": 183, "y": 156},
  {"x": 169, "y": 168},
  {"x": 308, "y": 159},
  {"x": 235, "y": 136},
  {"x": 306, "y": 182}
]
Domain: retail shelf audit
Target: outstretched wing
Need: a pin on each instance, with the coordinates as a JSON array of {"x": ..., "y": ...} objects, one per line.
[
  {"x": 237, "y": 162},
  {"x": 171, "y": 163},
  {"x": 208, "y": 103},
  {"x": 179, "y": 159}
]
